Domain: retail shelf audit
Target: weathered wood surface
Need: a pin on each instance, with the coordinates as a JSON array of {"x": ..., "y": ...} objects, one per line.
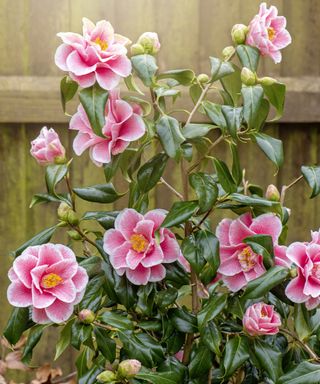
[{"x": 190, "y": 31}]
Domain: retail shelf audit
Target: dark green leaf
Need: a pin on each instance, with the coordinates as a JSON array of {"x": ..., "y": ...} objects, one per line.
[
  {"x": 34, "y": 337},
  {"x": 180, "y": 212},
  {"x": 79, "y": 334},
  {"x": 302, "y": 322},
  {"x": 262, "y": 114},
  {"x": 150, "y": 173},
  {"x": 105, "y": 219},
  {"x": 208, "y": 247},
  {"x": 189, "y": 248},
  {"x": 276, "y": 95},
  {"x": 211, "y": 337},
  {"x": 166, "y": 297},
  {"x": 304, "y": 373},
  {"x": 64, "y": 339},
  {"x": 232, "y": 85},
  {"x": 41, "y": 198},
  {"x": 100, "y": 193},
  {"x": 206, "y": 190},
  {"x": 236, "y": 353},
  {"x": 224, "y": 176},
  {"x": 219, "y": 69},
  {"x": 116, "y": 320},
  {"x": 182, "y": 76},
  {"x": 146, "y": 296},
  {"x": 93, "y": 294},
  {"x": 41, "y": 238},
  {"x": 131, "y": 84},
  {"x": 269, "y": 358},
  {"x": 17, "y": 324},
  {"x": 249, "y": 56},
  {"x": 233, "y": 117},
  {"x": 183, "y": 320},
  {"x": 145, "y": 67},
  {"x": 106, "y": 345},
  {"x": 200, "y": 363},
  {"x": 263, "y": 284},
  {"x": 191, "y": 131},
  {"x": 215, "y": 114},
  {"x": 236, "y": 168},
  {"x": 252, "y": 99},
  {"x": 93, "y": 100},
  {"x": 211, "y": 309},
  {"x": 90, "y": 377},
  {"x": 68, "y": 88},
  {"x": 253, "y": 201},
  {"x": 312, "y": 177},
  {"x": 170, "y": 135},
  {"x": 54, "y": 174},
  {"x": 272, "y": 148}
]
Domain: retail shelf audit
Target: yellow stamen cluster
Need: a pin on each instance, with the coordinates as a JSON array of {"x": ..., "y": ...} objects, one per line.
[
  {"x": 139, "y": 243},
  {"x": 271, "y": 33},
  {"x": 51, "y": 280},
  {"x": 247, "y": 259},
  {"x": 103, "y": 44}
]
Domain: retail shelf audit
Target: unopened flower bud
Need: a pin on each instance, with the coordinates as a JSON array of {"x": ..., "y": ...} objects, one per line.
[
  {"x": 273, "y": 193},
  {"x": 86, "y": 316},
  {"x": 203, "y": 78},
  {"x": 106, "y": 377},
  {"x": 63, "y": 211},
  {"x": 267, "y": 81},
  {"x": 137, "y": 49},
  {"x": 239, "y": 33},
  {"x": 150, "y": 42},
  {"x": 72, "y": 218},
  {"x": 228, "y": 52},
  {"x": 74, "y": 235},
  {"x": 248, "y": 77},
  {"x": 293, "y": 272},
  {"x": 127, "y": 369}
]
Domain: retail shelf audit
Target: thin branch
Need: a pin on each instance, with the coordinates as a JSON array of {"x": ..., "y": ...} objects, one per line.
[
  {"x": 65, "y": 378},
  {"x": 171, "y": 188},
  {"x": 286, "y": 187},
  {"x": 83, "y": 235},
  {"x": 197, "y": 105},
  {"x": 67, "y": 179}
]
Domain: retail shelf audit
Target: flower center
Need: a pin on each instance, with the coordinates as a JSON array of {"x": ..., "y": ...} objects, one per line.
[
  {"x": 271, "y": 33},
  {"x": 103, "y": 44},
  {"x": 247, "y": 259},
  {"x": 51, "y": 280},
  {"x": 264, "y": 312},
  {"x": 139, "y": 243},
  {"x": 316, "y": 271}
]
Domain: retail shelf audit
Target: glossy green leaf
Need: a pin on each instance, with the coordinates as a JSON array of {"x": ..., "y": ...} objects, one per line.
[
  {"x": 236, "y": 353},
  {"x": 100, "y": 193},
  {"x": 232, "y": 85},
  {"x": 18, "y": 323},
  {"x": 302, "y": 323},
  {"x": 145, "y": 67},
  {"x": 215, "y": 114},
  {"x": 211, "y": 309},
  {"x": 144, "y": 104},
  {"x": 34, "y": 337},
  {"x": 39, "y": 239},
  {"x": 183, "y": 320},
  {"x": 249, "y": 56},
  {"x": 151, "y": 171},
  {"x": 211, "y": 337},
  {"x": 68, "y": 88},
  {"x": 192, "y": 131},
  {"x": 131, "y": 84},
  {"x": 80, "y": 333},
  {"x": 116, "y": 320},
  {"x": 93, "y": 100},
  {"x": 166, "y": 297},
  {"x": 312, "y": 176},
  {"x": 252, "y": 99},
  {"x": 93, "y": 295},
  {"x": 208, "y": 247},
  {"x": 54, "y": 174},
  {"x": 263, "y": 284},
  {"x": 236, "y": 168},
  {"x": 106, "y": 345},
  {"x": 262, "y": 114},
  {"x": 64, "y": 339},
  {"x": 182, "y": 76},
  {"x": 233, "y": 117},
  {"x": 262, "y": 245},
  {"x": 156, "y": 377},
  {"x": 90, "y": 377},
  {"x": 269, "y": 358},
  {"x": 200, "y": 363},
  {"x": 276, "y": 94},
  {"x": 105, "y": 219},
  {"x": 206, "y": 190},
  {"x": 224, "y": 176},
  {"x": 219, "y": 69},
  {"x": 180, "y": 212},
  {"x": 191, "y": 252},
  {"x": 272, "y": 148},
  {"x": 41, "y": 198},
  {"x": 170, "y": 135},
  {"x": 305, "y": 373}
]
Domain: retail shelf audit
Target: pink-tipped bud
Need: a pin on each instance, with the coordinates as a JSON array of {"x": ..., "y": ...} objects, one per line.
[
  {"x": 272, "y": 193},
  {"x": 86, "y": 316},
  {"x": 150, "y": 42},
  {"x": 127, "y": 369},
  {"x": 47, "y": 148},
  {"x": 239, "y": 33},
  {"x": 106, "y": 377},
  {"x": 248, "y": 77}
]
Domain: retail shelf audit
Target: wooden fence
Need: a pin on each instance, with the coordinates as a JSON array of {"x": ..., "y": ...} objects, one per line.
[{"x": 190, "y": 31}]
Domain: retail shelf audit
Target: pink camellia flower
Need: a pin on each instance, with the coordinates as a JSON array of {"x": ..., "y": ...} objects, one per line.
[
  {"x": 47, "y": 148},
  {"x": 123, "y": 125},
  {"x": 47, "y": 278},
  {"x": 305, "y": 288},
  {"x": 261, "y": 319},
  {"x": 99, "y": 55},
  {"x": 238, "y": 263},
  {"x": 267, "y": 32},
  {"x": 137, "y": 250}
]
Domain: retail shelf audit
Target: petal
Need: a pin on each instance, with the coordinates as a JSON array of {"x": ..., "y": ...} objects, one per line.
[
  {"x": 297, "y": 253},
  {"x": 157, "y": 216},
  {"x": 170, "y": 248},
  {"x": 126, "y": 221},
  {"x": 294, "y": 290},
  {"x": 283, "y": 39},
  {"x": 139, "y": 276},
  {"x": 22, "y": 267},
  {"x": 133, "y": 259},
  {"x": 145, "y": 228},
  {"x": 12, "y": 275},
  {"x": 65, "y": 292},
  {"x": 121, "y": 66},
  {"x": 230, "y": 267},
  {"x": 49, "y": 254},
  {"x": 236, "y": 282},
  {"x": 66, "y": 269},
  {"x": 61, "y": 55},
  {"x": 37, "y": 274},
  {"x": 80, "y": 279},
  {"x": 101, "y": 151},
  {"x": 106, "y": 78},
  {"x": 158, "y": 273},
  {"x": 121, "y": 110},
  {"x": 280, "y": 256},
  {"x": 41, "y": 299},
  {"x": 19, "y": 295},
  {"x": 118, "y": 258},
  {"x": 66, "y": 252},
  {"x": 132, "y": 129},
  {"x": 267, "y": 224},
  {"x": 239, "y": 231},
  {"x": 153, "y": 258},
  {"x": 222, "y": 231},
  {"x": 312, "y": 288},
  {"x": 59, "y": 312},
  {"x": 39, "y": 316},
  {"x": 112, "y": 239},
  {"x": 77, "y": 66},
  {"x": 84, "y": 81}
]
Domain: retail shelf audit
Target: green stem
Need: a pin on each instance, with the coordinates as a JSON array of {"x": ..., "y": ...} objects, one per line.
[{"x": 286, "y": 187}]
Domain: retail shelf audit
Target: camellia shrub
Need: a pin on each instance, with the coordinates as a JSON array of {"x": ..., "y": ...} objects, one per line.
[{"x": 154, "y": 296}]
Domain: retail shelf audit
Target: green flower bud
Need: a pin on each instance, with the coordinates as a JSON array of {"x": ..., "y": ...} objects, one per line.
[
  {"x": 203, "y": 78},
  {"x": 63, "y": 211},
  {"x": 239, "y": 33},
  {"x": 60, "y": 160},
  {"x": 74, "y": 235},
  {"x": 150, "y": 42},
  {"x": 228, "y": 52},
  {"x": 106, "y": 377},
  {"x": 72, "y": 218},
  {"x": 137, "y": 49},
  {"x": 267, "y": 81},
  {"x": 86, "y": 316},
  {"x": 127, "y": 369},
  {"x": 293, "y": 272},
  {"x": 248, "y": 77},
  {"x": 272, "y": 193}
]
